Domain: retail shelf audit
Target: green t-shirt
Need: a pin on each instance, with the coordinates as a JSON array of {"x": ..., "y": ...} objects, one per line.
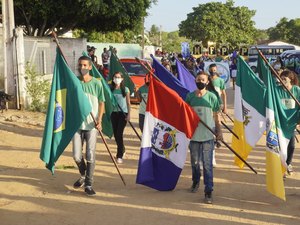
[
  {"x": 204, "y": 106},
  {"x": 120, "y": 100},
  {"x": 94, "y": 92},
  {"x": 144, "y": 93},
  {"x": 219, "y": 85},
  {"x": 287, "y": 100}
]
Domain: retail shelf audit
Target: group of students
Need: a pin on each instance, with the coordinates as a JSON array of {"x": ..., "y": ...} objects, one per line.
[{"x": 205, "y": 100}]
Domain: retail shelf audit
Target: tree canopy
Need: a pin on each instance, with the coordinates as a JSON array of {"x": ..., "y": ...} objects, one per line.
[
  {"x": 221, "y": 23},
  {"x": 39, "y": 17},
  {"x": 286, "y": 30}
]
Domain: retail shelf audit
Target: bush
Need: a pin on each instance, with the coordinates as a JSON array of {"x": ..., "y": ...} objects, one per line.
[{"x": 37, "y": 88}]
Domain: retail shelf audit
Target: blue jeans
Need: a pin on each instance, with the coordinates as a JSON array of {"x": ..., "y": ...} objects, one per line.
[
  {"x": 202, "y": 152},
  {"x": 85, "y": 169}
]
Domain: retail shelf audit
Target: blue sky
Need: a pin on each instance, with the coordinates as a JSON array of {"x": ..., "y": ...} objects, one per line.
[{"x": 169, "y": 13}]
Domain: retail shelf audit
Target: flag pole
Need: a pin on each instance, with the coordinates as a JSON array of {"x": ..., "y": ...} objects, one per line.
[
  {"x": 234, "y": 152},
  {"x": 274, "y": 72},
  {"x": 231, "y": 131},
  {"x": 228, "y": 117},
  {"x": 137, "y": 134},
  {"x": 102, "y": 137},
  {"x": 106, "y": 145}
]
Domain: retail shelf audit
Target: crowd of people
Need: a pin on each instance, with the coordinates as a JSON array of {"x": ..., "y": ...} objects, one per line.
[{"x": 209, "y": 100}]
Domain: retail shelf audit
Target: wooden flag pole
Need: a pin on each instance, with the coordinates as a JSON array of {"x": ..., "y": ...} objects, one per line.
[
  {"x": 107, "y": 148},
  {"x": 102, "y": 137},
  {"x": 234, "y": 152}
]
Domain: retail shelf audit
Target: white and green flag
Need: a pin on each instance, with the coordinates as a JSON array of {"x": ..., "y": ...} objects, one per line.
[
  {"x": 280, "y": 125},
  {"x": 249, "y": 111}
]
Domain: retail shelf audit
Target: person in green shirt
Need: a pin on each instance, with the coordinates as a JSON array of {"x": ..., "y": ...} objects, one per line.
[
  {"x": 290, "y": 80},
  {"x": 88, "y": 131},
  {"x": 121, "y": 112},
  {"x": 206, "y": 105},
  {"x": 220, "y": 87},
  {"x": 142, "y": 95}
]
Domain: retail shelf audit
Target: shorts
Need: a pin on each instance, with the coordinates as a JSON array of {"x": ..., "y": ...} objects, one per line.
[{"x": 233, "y": 73}]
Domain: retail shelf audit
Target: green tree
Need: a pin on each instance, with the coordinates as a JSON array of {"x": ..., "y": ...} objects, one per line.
[
  {"x": 221, "y": 23},
  {"x": 154, "y": 35},
  {"x": 171, "y": 42},
  {"x": 261, "y": 36},
  {"x": 286, "y": 30},
  {"x": 40, "y": 17}
]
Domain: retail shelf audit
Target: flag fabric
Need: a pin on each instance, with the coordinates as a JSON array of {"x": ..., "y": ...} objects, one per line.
[
  {"x": 281, "y": 123},
  {"x": 185, "y": 49},
  {"x": 67, "y": 108},
  {"x": 249, "y": 111},
  {"x": 185, "y": 77},
  {"x": 116, "y": 66},
  {"x": 110, "y": 102},
  {"x": 169, "y": 79},
  {"x": 165, "y": 137}
]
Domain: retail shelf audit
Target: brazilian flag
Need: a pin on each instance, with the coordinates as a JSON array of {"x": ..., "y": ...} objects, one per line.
[
  {"x": 110, "y": 102},
  {"x": 116, "y": 66},
  {"x": 67, "y": 108}
]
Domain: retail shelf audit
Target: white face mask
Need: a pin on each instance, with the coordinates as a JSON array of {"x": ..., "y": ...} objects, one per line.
[{"x": 118, "y": 80}]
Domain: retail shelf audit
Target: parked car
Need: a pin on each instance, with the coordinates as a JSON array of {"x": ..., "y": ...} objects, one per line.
[{"x": 136, "y": 72}]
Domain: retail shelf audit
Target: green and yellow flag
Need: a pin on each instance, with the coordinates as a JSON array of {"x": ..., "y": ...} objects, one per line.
[
  {"x": 67, "y": 108},
  {"x": 110, "y": 102}
]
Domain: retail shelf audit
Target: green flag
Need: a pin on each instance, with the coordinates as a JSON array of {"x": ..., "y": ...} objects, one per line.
[
  {"x": 116, "y": 66},
  {"x": 110, "y": 102},
  {"x": 281, "y": 122},
  {"x": 67, "y": 108}
]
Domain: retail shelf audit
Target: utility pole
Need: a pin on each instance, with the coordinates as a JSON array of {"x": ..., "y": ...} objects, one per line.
[
  {"x": 160, "y": 41},
  {"x": 143, "y": 37},
  {"x": 8, "y": 21}
]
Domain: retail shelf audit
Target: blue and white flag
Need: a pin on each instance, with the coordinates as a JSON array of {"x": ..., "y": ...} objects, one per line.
[{"x": 166, "y": 136}]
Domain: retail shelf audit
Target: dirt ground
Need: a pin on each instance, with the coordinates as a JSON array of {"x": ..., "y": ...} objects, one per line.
[{"x": 30, "y": 195}]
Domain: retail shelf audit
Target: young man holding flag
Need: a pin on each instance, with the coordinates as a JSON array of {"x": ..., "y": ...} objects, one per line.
[
  {"x": 206, "y": 105},
  {"x": 88, "y": 131}
]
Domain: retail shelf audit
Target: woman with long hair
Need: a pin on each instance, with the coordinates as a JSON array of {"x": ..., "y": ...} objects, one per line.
[{"x": 121, "y": 113}]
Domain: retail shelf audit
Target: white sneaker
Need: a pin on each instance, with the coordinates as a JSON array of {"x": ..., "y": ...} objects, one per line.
[
  {"x": 290, "y": 169},
  {"x": 119, "y": 160},
  {"x": 214, "y": 164}
]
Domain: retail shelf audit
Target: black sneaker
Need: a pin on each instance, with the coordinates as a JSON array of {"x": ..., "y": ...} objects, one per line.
[
  {"x": 194, "y": 187},
  {"x": 208, "y": 198},
  {"x": 79, "y": 183},
  {"x": 89, "y": 191}
]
